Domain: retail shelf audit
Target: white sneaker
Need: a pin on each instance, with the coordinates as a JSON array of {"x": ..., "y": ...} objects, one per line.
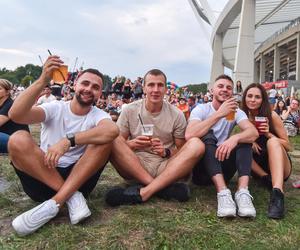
[
  {"x": 33, "y": 219},
  {"x": 78, "y": 209},
  {"x": 244, "y": 203},
  {"x": 226, "y": 205}
]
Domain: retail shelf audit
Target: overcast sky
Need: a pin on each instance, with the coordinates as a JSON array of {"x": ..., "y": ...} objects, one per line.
[{"x": 118, "y": 37}]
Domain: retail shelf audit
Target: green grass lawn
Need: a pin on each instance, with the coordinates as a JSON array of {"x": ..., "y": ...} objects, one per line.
[{"x": 156, "y": 224}]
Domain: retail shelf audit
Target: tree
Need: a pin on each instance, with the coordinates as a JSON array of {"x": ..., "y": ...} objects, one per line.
[
  {"x": 27, "y": 80},
  {"x": 197, "y": 88}
]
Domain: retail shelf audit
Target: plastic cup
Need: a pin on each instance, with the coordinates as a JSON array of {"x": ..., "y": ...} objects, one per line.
[
  {"x": 230, "y": 116},
  {"x": 147, "y": 130},
  {"x": 258, "y": 121},
  {"x": 61, "y": 74}
]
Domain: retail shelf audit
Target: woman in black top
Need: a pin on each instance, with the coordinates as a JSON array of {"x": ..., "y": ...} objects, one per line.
[
  {"x": 270, "y": 159},
  {"x": 7, "y": 126}
]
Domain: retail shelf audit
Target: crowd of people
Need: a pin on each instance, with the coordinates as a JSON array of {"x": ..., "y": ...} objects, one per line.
[{"x": 191, "y": 140}]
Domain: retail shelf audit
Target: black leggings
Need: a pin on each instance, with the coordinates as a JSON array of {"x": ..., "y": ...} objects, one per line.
[{"x": 239, "y": 160}]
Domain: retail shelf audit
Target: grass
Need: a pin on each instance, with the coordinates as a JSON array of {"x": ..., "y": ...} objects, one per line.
[{"x": 156, "y": 224}]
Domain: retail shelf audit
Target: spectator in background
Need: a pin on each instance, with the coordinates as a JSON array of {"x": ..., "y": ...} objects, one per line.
[
  {"x": 46, "y": 96},
  {"x": 291, "y": 118},
  {"x": 127, "y": 89},
  {"x": 238, "y": 93},
  {"x": 272, "y": 96},
  {"x": 138, "y": 88},
  {"x": 7, "y": 126},
  {"x": 192, "y": 102},
  {"x": 184, "y": 107},
  {"x": 117, "y": 87},
  {"x": 280, "y": 107}
]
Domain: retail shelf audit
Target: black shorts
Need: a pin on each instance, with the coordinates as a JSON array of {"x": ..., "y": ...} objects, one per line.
[{"x": 38, "y": 191}]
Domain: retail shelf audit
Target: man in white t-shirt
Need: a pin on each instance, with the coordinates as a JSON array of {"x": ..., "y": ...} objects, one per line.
[
  {"x": 156, "y": 161},
  {"x": 46, "y": 97},
  {"x": 76, "y": 140},
  {"x": 224, "y": 154}
]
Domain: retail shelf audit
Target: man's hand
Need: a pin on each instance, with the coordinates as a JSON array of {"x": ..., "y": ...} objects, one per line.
[
  {"x": 52, "y": 63},
  {"x": 55, "y": 152},
  {"x": 227, "y": 107},
  {"x": 140, "y": 142},
  {"x": 224, "y": 150},
  {"x": 256, "y": 148},
  {"x": 158, "y": 147}
]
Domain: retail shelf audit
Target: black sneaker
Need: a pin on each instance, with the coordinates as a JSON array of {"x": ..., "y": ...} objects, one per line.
[
  {"x": 176, "y": 191},
  {"x": 123, "y": 196},
  {"x": 276, "y": 205},
  {"x": 266, "y": 181}
]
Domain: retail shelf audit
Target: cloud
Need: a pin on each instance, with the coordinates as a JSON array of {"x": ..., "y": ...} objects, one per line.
[{"x": 15, "y": 52}]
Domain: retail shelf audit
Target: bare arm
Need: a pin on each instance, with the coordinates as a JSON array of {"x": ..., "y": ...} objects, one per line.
[
  {"x": 285, "y": 113},
  {"x": 23, "y": 109}
]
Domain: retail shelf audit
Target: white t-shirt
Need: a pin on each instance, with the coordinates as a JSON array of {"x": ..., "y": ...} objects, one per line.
[
  {"x": 222, "y": 129},
  {"x": 45, "y": 99},
  {"x": 60, "y": 121},
  {"x": 272, "y": 93}
]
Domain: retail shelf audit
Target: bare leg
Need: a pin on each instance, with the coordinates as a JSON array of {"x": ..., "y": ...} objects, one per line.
[
  {"x": 258, "y": 169},
  {"x": 243, "y": 182},
  {"x": 279, "y": 163},
  {"x": 127, "y": 163},
  {"x": 94, "y": 158},
  {"x": 219, "y": 182},
  {"x": 177, "y": 167},
  {"x": 29, "y": 158}
]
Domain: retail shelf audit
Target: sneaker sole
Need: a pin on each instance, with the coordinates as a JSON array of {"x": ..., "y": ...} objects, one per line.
[
  {"x": 226, "y": 215},
  {"x": 245, "y": 215}
]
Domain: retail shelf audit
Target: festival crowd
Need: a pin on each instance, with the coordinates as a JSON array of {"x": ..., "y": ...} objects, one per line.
[{"x": 159, "y": 140}]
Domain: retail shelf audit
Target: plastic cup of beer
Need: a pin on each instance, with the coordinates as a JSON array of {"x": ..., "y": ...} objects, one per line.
[
  {"x": 258, "y": 121},
  {"x": 230, "y": 116},
  {"x": 147, "y": 130},
  {"x": 60, "y": 75}
]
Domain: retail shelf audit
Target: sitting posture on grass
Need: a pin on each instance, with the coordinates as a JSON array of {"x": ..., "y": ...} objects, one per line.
[
  {"x": 224, "y": 153},
  {"x": 270, "y": 162},
  {"x": 157, "y": 159},
  {"x": 76, "y": 140}
]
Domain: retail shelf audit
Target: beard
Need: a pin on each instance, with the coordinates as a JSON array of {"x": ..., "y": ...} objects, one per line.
[{"x": 84, "y": 103}]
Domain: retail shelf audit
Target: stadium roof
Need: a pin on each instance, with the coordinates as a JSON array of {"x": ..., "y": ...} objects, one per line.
[{"x": 270, "y": 17}]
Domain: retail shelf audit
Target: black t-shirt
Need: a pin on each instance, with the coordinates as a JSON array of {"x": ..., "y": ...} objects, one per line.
[{"x": 10, "y": 127}]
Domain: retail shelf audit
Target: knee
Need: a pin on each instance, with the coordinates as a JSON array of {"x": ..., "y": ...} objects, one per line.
[
  {"x": 19, "y": 141},
  {"x": 273, "y": 143},
  {"x": 209, "y": 139},
  {"x": 195, "y": 146}
]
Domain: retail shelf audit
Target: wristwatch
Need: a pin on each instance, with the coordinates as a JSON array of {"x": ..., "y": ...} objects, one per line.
[
  {"x": 167, "y": 153},
  {"x": 71, "y": 138}
]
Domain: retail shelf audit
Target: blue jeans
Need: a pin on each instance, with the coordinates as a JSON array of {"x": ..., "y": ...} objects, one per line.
[{"x": 3, "y": 142}]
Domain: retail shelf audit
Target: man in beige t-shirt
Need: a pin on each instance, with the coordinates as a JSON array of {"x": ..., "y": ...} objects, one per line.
[{"x": 156, "y": 162}]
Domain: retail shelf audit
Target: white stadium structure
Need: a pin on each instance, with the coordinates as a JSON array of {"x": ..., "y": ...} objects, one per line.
[{"x": 259, "y": 40}]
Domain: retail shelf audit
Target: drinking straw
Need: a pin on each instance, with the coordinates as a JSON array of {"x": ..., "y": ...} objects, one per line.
[
  {"x": 49, "y": 52},
  {"x": 142, "y": 122}
]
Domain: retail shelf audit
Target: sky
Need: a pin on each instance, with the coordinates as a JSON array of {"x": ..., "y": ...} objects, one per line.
[{"x": 118, "y": 37}]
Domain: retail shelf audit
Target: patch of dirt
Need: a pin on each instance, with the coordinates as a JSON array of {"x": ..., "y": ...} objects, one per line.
[{"x": 5, "y": 227}]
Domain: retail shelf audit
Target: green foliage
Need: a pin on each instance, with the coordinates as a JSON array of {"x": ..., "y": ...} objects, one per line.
[
  {"x": 22, "y": 75},
  {"x": 197, "y": 88},
  {"x": 107, "y": 81}
]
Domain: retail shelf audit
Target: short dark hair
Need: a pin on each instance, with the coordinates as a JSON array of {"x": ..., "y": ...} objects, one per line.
[
  {"x": 223, "y": 76},
  {"x": 92, "y": 71},
  {"x": 192, "y": 98},
  {"x": 155, "y": 72}
]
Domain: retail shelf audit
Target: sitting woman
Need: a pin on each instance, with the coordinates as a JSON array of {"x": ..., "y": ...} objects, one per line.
[
  {"x": 291, "y": 118},
  {"x": 7, "y": 127},
  {"x": 280, "y": 107},
  {"x": 270, "y": 159}
]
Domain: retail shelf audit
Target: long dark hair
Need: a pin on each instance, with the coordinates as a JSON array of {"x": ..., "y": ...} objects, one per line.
[
  {"x": 278, "y": 110},
  {"x": 265, "y": 109}
]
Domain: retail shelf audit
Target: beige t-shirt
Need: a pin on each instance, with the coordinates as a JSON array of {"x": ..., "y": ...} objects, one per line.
[{"x": 169, "y": 123}]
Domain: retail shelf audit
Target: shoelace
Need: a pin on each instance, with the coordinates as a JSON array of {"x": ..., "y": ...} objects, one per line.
[
  {"x": 244, "y": 196},
  {"x": 226, "y": 200}
]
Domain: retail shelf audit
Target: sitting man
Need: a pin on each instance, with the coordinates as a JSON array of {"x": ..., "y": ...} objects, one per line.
[
  {"x": 224, "y": 154},
  {"x": 155, "y": 161},
  {"x": 76, "y": 140}
]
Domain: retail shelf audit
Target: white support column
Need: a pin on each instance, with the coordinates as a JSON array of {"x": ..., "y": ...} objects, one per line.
[
  {"x": 262, "y": 76},
  {"x": 217, "y": 67},
  {"x": 244, "y": 63},
  {"x": 276, "y": 68},
  {"x": 256, "y": 76},
  {"x": 298, "y": 58}
]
